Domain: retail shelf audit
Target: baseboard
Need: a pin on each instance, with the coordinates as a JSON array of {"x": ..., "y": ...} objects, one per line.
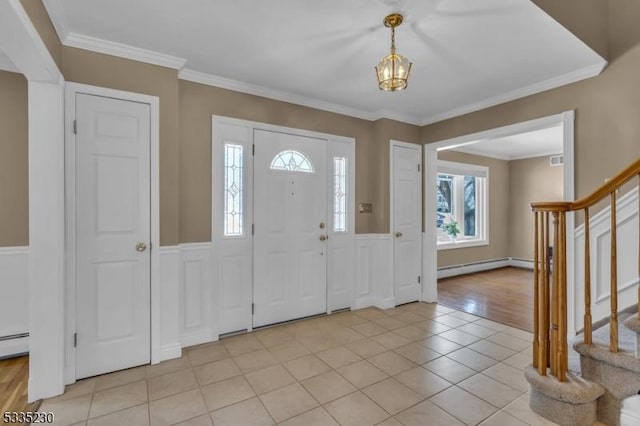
[
  {"x": 171, "y": 351},
  {"x": 14, "y": 347},
  {"x": 521, "y": 263},
  {"x": 361, "y": 303},
  {"x": 469, "y": 268},
  {"x": 197, "y": 338},
  {"x": 387, "y": 303}
]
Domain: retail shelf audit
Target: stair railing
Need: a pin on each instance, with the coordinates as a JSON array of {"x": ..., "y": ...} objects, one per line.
[{"x": 550, "y": 346}]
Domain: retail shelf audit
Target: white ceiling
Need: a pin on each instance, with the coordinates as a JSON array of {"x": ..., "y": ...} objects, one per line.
[
  {"x": 467, "y": 54},
  {"x": 524, "y": 145},
  {"x": 6, "y": 64}
]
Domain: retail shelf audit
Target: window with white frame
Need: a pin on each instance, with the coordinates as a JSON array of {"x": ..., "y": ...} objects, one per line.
[
  {"x": 233, "y": 190},
  {"x": 339, "y": 194},
  {"x": 462, "y": 204}
]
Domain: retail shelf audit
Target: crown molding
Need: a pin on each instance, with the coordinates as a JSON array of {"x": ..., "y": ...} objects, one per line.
[
  {"x": 123, "y": 51},
  {"x": 280, "y": 95},
  {"x": 507, "y": 157},
  {"x": 6, "y": 64},
  {"x": 56, "y": 14},
  {"x": 552, "y": 83}
]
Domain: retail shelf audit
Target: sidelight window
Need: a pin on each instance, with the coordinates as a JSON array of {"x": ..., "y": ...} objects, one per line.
[
  {"x": 339, "y": 194},
  {"x": 233, "y": 189}
]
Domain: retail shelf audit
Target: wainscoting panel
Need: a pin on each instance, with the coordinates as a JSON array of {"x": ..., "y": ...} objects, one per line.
[
  {"x": 627, "y": 250},
  {"x": 169, "y": 302},
  {"x": 374, "y": 281},
  {"x": 14, "y": 290},
  {"x": 341, "y": 271},
  {"x": 233, "y": 276}
]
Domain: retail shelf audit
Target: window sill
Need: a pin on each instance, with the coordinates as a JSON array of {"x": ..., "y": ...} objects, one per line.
[{"x": 462, "y": 244}]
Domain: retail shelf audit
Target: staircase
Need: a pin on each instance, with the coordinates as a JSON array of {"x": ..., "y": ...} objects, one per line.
[{"x": 609, "y": 354}]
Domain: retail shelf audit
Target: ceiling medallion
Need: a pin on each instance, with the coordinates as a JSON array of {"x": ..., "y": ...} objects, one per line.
[{"x": 393, "y": 70}]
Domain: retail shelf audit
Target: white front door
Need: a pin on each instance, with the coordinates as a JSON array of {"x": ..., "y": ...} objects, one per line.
[
  {"x": 407, "y": 221},
  {"x": 290, "y": 208},
  {"x": 112, "y": 212}
]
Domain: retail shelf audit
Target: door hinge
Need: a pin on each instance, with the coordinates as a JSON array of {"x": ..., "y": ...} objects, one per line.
[
  {"x": 75, "y": 127},
  {"x": 418, "y": 279},
  {"x": 253, "y": 229},
  {"x": 418, "y": 167},
  {"x": 253, "y": 149},
  {"x": 253, "y": 308},
  {"x": 75, "y": 340}
]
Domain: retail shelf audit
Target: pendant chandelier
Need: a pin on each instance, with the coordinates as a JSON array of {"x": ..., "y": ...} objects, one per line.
[{"x": 393, "y": 69}]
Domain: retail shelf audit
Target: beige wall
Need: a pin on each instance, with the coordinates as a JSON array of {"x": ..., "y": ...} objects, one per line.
[
  {"x": 14, "y": 159},
  {"x": 498, "y": 247},
  {"x": 607, "y": 129},
  {"x": 531, "y": 179}
]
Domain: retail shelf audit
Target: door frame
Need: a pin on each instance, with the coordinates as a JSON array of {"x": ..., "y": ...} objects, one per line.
[
  {"x": 73, "y": 89},
  {"x": 430, "y": 251},
  {"x": 392, "y": 144},
  {"x": 219, "y": 242}
]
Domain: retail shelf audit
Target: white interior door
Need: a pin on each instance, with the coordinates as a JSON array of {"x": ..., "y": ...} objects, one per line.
[
  {"x": 407, "y": 220},
  {"x": 290, "y": 205},
  {"x": 112, "y": 231}
]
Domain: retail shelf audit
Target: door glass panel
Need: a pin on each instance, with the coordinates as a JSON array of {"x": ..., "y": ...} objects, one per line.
[
  {"x": 339, "y": 194},
  {"x": 233, "y": 190},
  {"x": 291, "y": 161}
]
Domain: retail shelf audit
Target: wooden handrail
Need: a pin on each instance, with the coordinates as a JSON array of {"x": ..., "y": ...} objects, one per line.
[
  {"x": 611, "y": 185},
  {"x": 550, "y": 349}
]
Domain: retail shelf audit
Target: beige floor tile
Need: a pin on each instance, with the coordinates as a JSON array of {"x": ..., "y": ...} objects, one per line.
[
  {"x": 465, "y": 316},
  {"x": 392, "y": 395},
  {"x": 409, "y": 318},
  {"x": 492, "y": 391},
  {"x": 391, "y": 340},
  {"x": 318, "y": 343},
  {"x": 366, "y": 348},
  {"x": 370, "y": 313},
  {"x": 171, "y": 384},
  {"x": 269, "y": 379},
  {"x": 136, "y": 416},
  {"x": 472, "y": 359},
  {"x": 417, "y": 353},
  {"x": 502, "y": 419},
  {"x": 167, "y": 367},
  {"x": 339, "y": 356},
  {"x": 79, "y": 388},
  {"x": 226, "y": 392},
  {"x": 520, "y": 409},
  {"x": 247, "y": 413},
  {"x": 306, "y": 366},
  {"x": 288, "y": 402},
  {"x": 203, "y": 354},
  {"x": 356, "y": 409},
  {"x": 273, "y": 336},
  {"x": 519, "y": 360},
  {"x": 520, "y": 334},
  {"x": 255, "y": 360},
  {"x": 391, "y": 363},
  {"x": 216, "y": 371},
  {"x": 390, "y": 323},
  {"x": 328, "y": 386},
  {"x": 449, "y": 369},
  {"x": 242, "y": 344},
  {"x": 464, "y": 406},
  {"x": 440, "y": 344},
  {"x": 369, "y": 329},
  {"x": 390, "y": 422},
  {"x": 509, "y": 341},
  {"x": 67, "y": 411},
  {"x": 288, "y": 351},
  {"x": 427, "y": 413},
  {"x": 362, "y": 373},
  {"x": 449, "y": 320},
  {"x": 508, "y": 375},
  {"x": 412, "y": 332},
  {"x": 422, "y": 381},
  {"x": 477, "y": 330},
  {"x": 491, "y": 324},
  {"x": 204, "y": 420},
  {"x": 316, "y": 417},
  {"x": 431, "y": 326},
  {"x": 177, "y": 408},
  {"x": 492, "y": 350},
  {"x": 459, "y": 337},
  {"x": 116, "y": 399},
  {"x": 120, "y": 378}
]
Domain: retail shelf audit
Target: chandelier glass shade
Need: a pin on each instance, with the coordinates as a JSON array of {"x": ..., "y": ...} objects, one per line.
[{"x": 393, "y": 70}]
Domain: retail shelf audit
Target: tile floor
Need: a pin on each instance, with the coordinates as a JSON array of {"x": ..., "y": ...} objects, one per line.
[{"x": 418, "y": 364}]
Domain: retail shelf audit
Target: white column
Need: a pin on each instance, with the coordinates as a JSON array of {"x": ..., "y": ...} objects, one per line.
[{"x": 46, "y": 239}]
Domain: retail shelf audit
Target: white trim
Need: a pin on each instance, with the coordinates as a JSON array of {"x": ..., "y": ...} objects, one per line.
[
  {"x": 12, "y": 347},
  {"x": 170, "y": 351},
  {"x": 122, "y": 50},
  {"x": 521, "y": 263},
  {"x": 462, "y": 244},
  {"x": 58, "y": 17},
  {"x": 507, "y": 157},
  {"x": 431, "y": 155},
  {"x": 380, "y": 237},
  {"x": 542, "y": 86},
  {"x": 469, "y": 268},
  {"x": 70, "y": 139},
  {"x": 6, "y": 64},
  {"x": 13, "y": 250}
]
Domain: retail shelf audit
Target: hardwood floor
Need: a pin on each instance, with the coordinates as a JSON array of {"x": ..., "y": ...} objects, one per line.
[
  {"x": 503, "y": 295},
  {"x": 14, "y": 378}
]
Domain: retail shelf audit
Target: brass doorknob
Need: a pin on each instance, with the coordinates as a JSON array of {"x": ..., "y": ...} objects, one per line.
[
  {"x": 324, "y": 237},
  {"x": 398, "y": 234},
  {"x": 141, "y": 246}
]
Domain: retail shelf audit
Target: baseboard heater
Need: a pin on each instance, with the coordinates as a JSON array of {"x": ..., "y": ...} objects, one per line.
[
  {"x": 483, "y": 265},
  {"x": 14, "y": 345}
]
